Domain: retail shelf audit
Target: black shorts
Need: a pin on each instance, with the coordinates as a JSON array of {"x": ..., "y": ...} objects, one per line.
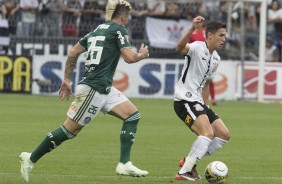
[{"x": 189, "y": 111}]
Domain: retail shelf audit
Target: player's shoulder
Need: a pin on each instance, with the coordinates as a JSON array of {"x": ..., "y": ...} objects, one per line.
[{"x": 198, "y": 44}]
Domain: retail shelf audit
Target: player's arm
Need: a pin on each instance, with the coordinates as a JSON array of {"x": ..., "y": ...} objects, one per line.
[
  {"x": 130, "y": 56},
  {"x": 72, "y": 60},
  {"x": 65, "y": 89},
  {"x": 182, "y": 46},
  {"x": 206, "y": 92}
]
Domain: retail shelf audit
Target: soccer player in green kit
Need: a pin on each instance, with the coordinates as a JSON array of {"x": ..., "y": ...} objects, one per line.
[{"x": 95, "y": 92}]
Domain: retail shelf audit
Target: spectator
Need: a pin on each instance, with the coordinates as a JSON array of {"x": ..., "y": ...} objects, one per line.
[
  {"x": 224, "y": 9},
  {"x": 90, "y": 15},
  {"x": 29, "y": 9},
  {"x": 71, "y": 13},
  {"x": 172, "y": 10},
  {"x": 4, "y": 36},
  {"x": 191, "y": 9},
  {"x": 251, "y": 28},
  {"x": 156, "y": 8},
  {"x": 274, "y": 16},
  {"x": 50, "y": 17},
  {"x": 9, "y": 10},
  {"x": 271, "y": 51},
  {"x": 137, "y": 23},
  {"x": 212, "y": 11},
  {"x": 139, "y": 9}
]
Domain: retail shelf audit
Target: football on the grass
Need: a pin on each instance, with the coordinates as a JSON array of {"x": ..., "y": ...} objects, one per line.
[{"x": 216, "y": 172}]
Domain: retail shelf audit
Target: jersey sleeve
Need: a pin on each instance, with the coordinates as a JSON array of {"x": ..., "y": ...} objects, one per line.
[
  {"x": 192, "y": 48},
  {"x": 83, "y": 42},
  {"x": 123, "y": 38}
]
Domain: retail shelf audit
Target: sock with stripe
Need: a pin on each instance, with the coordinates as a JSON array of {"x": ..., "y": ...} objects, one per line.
[
  {"x": 127, "y": 136},
  {"x": 52, "y": 140}
]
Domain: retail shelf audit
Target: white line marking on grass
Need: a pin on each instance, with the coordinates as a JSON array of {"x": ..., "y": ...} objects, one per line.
[{"x": 150, "y": 176}]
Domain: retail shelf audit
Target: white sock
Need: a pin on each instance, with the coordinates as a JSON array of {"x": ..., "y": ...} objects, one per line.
[
  {"x": 216, "y": 144},
  {"x": 198, "y": 150},
  {"x": 188, "y": 165}
]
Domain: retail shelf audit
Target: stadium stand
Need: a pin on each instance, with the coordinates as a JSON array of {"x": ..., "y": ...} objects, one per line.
[{"x": 61, "y": 22}]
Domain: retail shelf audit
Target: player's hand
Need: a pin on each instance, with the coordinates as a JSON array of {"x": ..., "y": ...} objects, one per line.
[
  {"x": 198, "y": 22},
  {"x": 144, "y": 50},
  {"x": 65, "y": 90}
]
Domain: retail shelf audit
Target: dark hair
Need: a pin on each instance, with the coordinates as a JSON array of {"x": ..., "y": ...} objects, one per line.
[
  {"x": 214, "y": 26},
  {"x": 120, "y": 10}
]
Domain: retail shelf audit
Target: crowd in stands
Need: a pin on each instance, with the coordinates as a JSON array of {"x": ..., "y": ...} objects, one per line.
[{"x": 75, "y": 18}]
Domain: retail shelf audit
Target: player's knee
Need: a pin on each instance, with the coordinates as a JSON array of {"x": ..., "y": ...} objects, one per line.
[
  {"x": 227, "y": 135},
  {"x": 209, "y": 134},
  {"x": 134, "y": 116}
]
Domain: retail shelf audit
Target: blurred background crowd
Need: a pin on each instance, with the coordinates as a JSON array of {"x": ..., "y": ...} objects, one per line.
[{"x": 65, "y": 21}]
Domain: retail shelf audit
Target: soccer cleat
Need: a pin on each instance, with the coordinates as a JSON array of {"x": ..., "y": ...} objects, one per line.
[
  {"x": 186, "y": 176},
  {"x": 181, "y": 162},
  {"x": 26, "y": 165},
  {"x": 128, "y": 169},
  {"x": 193, "y": 171}
]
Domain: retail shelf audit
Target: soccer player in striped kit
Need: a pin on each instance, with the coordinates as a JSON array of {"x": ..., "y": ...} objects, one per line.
[
  {"x": 95, "y": 92},
  {"x": 191, "y": 96}
]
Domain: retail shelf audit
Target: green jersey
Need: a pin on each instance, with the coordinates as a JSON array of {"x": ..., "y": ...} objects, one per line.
[{"x": 103, "y": 46}]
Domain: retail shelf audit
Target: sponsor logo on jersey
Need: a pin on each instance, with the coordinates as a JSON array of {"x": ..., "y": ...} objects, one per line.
[
  {"x": 104, "y": 26},
  {"x": 120, "y": 37},
  {"x": 126, "y": 37}
]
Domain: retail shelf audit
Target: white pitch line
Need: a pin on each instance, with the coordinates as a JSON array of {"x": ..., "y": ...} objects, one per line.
[{"x": 157, "y": 177}]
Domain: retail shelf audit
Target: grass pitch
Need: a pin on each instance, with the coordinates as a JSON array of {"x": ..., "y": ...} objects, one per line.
[{"x": 253, "y": 154}]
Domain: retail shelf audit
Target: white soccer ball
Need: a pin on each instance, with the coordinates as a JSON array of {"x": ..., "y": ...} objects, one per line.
[{"x": 216, "y": 172}]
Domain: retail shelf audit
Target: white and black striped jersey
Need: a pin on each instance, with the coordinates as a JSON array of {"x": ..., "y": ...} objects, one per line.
[{"x": 200, "y": 65}]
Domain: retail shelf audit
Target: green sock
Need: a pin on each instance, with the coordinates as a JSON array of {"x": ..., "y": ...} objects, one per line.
[
  {"x": 127, "y": 136},
  {"x": 52, "y": 140}
]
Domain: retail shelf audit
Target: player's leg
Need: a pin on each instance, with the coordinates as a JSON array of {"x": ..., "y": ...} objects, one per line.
[
  {"x": 194, "y": 116},
  {"x": 79, "y": 114},
  {"x": 119, "y": 106},
  {"x": 202, "y": 128},
  {"x": 212, "y": 93},
  {"x": 221, "y": 136},
  {"x": 130, "y": 116}
]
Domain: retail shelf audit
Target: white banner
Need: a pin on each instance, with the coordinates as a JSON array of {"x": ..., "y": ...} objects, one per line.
[
  {"x": 165, "y": 33},
  {"x": 156, "y": 78},
  {"x": 272, "y": 81},
  {"x": 48, "y": 73}
]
